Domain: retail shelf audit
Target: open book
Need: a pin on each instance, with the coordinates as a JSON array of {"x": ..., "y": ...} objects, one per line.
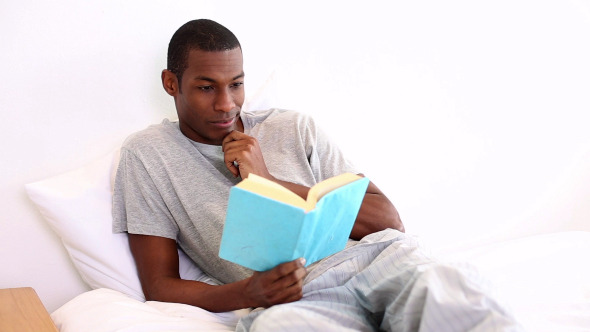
[{"x": 267, "y": 224}]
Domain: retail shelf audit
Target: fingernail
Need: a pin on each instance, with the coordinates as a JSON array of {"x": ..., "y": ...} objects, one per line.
[{"x": 302, "y": 261}]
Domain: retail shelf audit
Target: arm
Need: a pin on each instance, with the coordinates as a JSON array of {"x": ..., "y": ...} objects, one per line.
[
  {"x": 157, "y": 266},
  {"x": 377, "y": 212}
]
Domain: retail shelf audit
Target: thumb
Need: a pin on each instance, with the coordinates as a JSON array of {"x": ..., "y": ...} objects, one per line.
[{"x": 233, "y": 167}]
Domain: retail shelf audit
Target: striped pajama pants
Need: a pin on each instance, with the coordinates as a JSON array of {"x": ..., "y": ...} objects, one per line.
[{"x": 386, "y": 283}]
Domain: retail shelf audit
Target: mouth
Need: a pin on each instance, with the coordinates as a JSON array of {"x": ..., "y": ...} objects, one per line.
[{"x": 224, "y": 123}]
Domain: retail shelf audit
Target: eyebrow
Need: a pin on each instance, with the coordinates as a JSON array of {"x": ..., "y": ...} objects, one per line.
[{"x": 209, "y": 79}]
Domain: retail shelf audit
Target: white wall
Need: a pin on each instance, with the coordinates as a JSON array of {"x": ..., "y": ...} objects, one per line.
[{"x": 471, "y": 117}]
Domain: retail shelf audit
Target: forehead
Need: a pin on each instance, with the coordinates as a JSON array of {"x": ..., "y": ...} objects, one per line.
[{"x": 215, "y": 65}]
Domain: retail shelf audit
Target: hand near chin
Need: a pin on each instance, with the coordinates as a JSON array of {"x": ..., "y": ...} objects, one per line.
[{"x": 243, "y": 156}]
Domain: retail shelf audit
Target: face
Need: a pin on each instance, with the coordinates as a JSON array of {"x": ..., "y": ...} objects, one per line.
[{"x": 211, "y": 97}]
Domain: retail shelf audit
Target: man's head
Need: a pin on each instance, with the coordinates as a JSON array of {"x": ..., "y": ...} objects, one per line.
[
  {"x": 202, "y": 34},
  {"x": 206, "y": 78}
]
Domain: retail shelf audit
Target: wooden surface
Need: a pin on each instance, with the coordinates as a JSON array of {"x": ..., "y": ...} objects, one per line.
[{"x": 21, "y": 310}]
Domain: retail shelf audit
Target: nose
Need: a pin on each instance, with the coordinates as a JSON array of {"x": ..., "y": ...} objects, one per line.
[{"x": 224, "y": 101}]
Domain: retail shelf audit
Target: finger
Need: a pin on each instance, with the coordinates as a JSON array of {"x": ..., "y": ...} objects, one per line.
[
  {"x": 234, "y": 158},
  {"x": 292, "y": 279},
  {"x": 244, "y": 143},
  {"x": 290, "y": 294},
  {"x": 296, "y": 291},
  {"x": 285, "y": 269},
  {"x": 291, "y": 266},
  {"x": 283, "y": 290},
  {"x": 234, "y": 135},
  {"x": 281, "y": 270},
  {"x": 231, "y": 148},
  {"x": 232, "y": 145},
  {"x": 233, "y": 167},
  {"x": 228, "y": 138}
]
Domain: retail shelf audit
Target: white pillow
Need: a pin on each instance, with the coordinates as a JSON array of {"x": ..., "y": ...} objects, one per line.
[
  {"x": 103, "y": 310},
  {"x": 77, "y": 206}
]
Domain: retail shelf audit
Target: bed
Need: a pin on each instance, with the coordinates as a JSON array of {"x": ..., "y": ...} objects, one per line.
[{"x": 544, "y": 279}]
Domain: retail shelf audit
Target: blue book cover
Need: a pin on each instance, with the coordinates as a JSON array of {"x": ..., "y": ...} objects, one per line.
[{"x": 261, "y": 232}]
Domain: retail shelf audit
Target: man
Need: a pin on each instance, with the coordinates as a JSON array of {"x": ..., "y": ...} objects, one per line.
[{"x": 172, "y": 188}]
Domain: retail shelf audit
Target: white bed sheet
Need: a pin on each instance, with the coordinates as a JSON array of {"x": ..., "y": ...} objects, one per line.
[{"x": 545, "y": 279}]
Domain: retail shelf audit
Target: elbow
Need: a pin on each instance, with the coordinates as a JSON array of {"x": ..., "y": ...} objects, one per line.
[
  {"x": 157, "y": 290},
  {"x": 393, "y": 220},
  {"x": 376, "y": 222},
  {"x": 151, "y": 293},
  {"x": 377, "y": 213},
  {"x": 397, "y": 223}
]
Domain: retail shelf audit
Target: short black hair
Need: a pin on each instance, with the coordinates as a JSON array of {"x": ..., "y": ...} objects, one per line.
[{"x": 202, "y": 34}]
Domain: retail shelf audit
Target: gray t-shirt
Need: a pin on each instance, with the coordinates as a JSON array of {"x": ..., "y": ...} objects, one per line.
[{"x": 170, "y": 186}]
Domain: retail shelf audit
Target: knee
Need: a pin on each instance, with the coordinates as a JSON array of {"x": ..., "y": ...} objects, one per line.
[
  {"x": 300, "y": 316},
  {"x": 266, "y": 318}
]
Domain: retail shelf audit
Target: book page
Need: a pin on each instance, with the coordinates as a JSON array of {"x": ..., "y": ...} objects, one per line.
[
  {"x": 320, "y": 189},
  {"x": 273, "y": 190}
]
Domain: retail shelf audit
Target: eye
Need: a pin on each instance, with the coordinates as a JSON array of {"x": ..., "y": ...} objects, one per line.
[
  {"x": 237, "y": 84},
  {"x": 205, "y": 88}
]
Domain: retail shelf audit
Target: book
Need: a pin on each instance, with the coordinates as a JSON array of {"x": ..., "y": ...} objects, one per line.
[{"x": 267, "y": 224}]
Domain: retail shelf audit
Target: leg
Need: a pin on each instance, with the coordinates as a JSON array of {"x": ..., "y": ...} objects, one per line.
[
  {"x": 386, "y": 281},
  {"x": 408, "y": 291},
  {"x": 307, "y": 316}
]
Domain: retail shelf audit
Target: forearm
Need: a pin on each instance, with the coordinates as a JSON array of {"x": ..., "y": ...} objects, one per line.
[
  {"x": 209, "y": 297},
  {"x": 156, "y": 259},
  {"x": 157, "y": 264}
]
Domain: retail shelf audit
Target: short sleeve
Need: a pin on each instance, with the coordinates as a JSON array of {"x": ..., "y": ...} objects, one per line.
[{"x": 138, "y": 207}]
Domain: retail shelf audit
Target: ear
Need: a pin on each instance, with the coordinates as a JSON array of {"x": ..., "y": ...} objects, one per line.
[{"x": 170, "y": 82}]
